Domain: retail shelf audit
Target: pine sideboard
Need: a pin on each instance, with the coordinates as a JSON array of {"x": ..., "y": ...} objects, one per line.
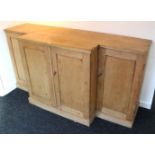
[{"x": 79, "y": 74}]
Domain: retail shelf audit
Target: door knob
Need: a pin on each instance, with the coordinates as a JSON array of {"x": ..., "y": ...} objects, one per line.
[
  {"x": 100, "y": 74},
  {"x": 54, "y": 73}
]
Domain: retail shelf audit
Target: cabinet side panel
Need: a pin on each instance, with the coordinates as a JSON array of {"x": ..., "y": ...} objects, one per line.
[
  {"x": 93, "y": 82},
  {"x": 17, "y": 60},
  {"x": 100, "y": 77},
  {"x": 12, "y": 53}
]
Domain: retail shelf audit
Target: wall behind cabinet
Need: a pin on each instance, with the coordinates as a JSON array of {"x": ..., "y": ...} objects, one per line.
[{"x": 7, "y": 77}]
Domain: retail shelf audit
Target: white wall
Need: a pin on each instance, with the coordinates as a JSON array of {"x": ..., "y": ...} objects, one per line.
[
  {"x": 135, "y": 29},
  {"x": 7, "y": 76}
]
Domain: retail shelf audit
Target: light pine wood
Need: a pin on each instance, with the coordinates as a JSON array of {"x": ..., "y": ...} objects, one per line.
[
  {"x": 136, "y": 87},
  {"x": 80, "y": 39},
  {"x": 93, "y": 82},
  {"x": 72, "y": 79},
  {"x": 79, "y": 74},
  {"x": 17, "y": 60},
  {"x": 38, "y": 68},
  {"x": 27, "y": 28},
  {"x": 118, "y": 76},
  {"x": 15, "y": 53},
  {"x": 119, "y": 80},
  {"x": 60, "y": 78},
  {"x": 114, "y": 119}
]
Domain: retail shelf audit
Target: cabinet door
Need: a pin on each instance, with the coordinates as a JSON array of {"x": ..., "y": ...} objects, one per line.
[
  {"x": 17, "y": 61},
  {"x": 72, "y": 80},
  {"x": 38, "y": 68},
  {"x": 118, "y": 83}
]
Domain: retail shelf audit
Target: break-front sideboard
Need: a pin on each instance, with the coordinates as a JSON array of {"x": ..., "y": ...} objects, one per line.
[{"x": 79, "y": 74}]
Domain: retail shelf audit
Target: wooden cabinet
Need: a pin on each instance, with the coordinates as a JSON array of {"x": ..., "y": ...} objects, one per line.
[
  {"x": 119, "y": 79},
  {"x": 17, "y": 60},
  {"x": 79, "y": 74},
  {"x": 59, "y": 79}
]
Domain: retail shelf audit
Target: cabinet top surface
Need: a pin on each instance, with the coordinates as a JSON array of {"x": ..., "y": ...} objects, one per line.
[{"x": 79, "y": 39}]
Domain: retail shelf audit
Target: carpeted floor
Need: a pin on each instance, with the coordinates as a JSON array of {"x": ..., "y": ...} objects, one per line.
[{"x": 17, "y": 116}]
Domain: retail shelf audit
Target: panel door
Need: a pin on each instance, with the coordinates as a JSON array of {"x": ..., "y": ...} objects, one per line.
[
  {"x": 39, "y": 68},
  {"x": 116, "y": 75},
  {"x": 72, "y": 78},
  {"x": 17, "y": 60}
]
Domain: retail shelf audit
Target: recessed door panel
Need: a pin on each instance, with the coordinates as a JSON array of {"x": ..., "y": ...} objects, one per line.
[
  {"x": 117, "y": 83},
  {"x": 39, "y": 74},
  {"x": 115, "y": 80},
  {"x": 73, "y": 81}
]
